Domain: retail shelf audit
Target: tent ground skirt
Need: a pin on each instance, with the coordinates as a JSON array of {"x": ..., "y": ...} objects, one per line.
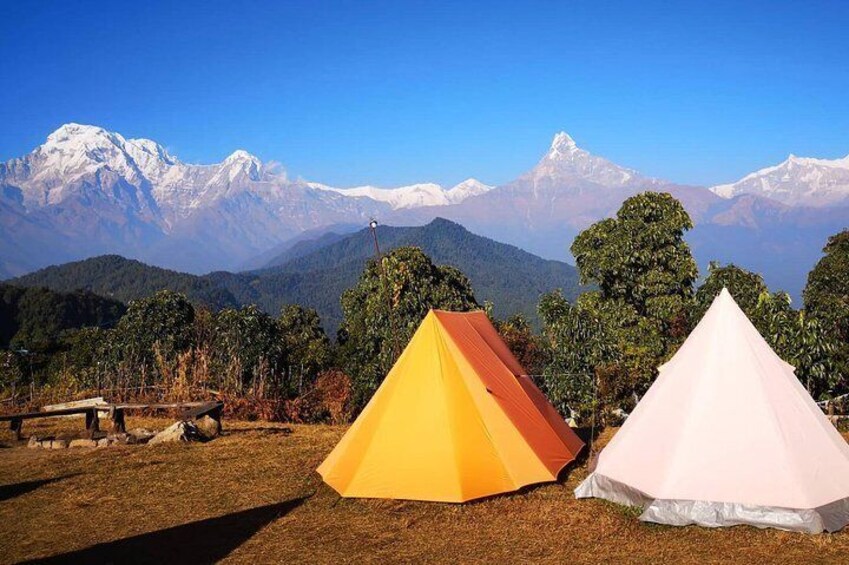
[{"x": 830, "y": 517}]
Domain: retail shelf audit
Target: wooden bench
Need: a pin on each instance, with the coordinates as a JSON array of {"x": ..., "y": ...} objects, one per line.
[
  {"x": 191, "y": 410},
  {"x": 92, "y": 424}
]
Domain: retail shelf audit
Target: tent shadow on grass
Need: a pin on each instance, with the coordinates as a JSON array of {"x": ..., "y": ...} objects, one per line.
[
  {"x": 204, "y": 541},
  {"x": 7, "y": 492}
]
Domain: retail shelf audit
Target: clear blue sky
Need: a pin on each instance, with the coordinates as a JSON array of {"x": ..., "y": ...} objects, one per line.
[{"x": 398, "y": 92}]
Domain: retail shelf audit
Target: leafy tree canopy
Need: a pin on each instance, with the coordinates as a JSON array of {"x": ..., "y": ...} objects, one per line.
[
  {"x": 826, "y": 295},
  {"x": 745, "y": 286},
  {"x": 645, "y": 273},
  {"x": 393, "y": 295},
  {"x": 640, "y": 256},
  {"x": 307, "y": 347},
  {"x": 162, "y": 321},
  {"x": 245, "y": 340},
  {"x": 826, "y": 299}
]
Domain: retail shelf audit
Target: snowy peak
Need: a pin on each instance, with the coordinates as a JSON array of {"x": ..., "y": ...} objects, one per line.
[
  {"x": 410, "y": 196},
  {"x": 75, "y": 149},
  {"x": 798, "y": 181},
  {"x": 80, "y": 133},
  {"x": 467, "y": 189},
  {"x": 566, "y": 163},
  {"x": 146, "y": 149},
  {"x": 240, "y": 155},
  {"x": 414, "y": 195},
  {"x": 241, "y": 164},
  {"x": 561, "y": 145}
]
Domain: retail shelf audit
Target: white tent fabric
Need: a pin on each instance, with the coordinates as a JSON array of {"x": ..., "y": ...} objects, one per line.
[{"x": 727, "y": 435}]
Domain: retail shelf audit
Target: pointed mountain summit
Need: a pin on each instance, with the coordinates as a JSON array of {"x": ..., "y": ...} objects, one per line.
[
  {"x": 566, "y": 162},
  {"x": 561, "y": 145},
  {"x": 241, "y": 163},
  {"x": 727, "y": 435}
]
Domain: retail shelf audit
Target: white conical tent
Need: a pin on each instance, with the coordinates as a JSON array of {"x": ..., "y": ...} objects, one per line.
[{"x": 727, "y": 435}]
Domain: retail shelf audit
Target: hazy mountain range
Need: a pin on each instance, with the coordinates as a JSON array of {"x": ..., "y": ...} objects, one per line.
[
  {"x": 315, "y": 273},
  {"x": 87, "y": 191}
]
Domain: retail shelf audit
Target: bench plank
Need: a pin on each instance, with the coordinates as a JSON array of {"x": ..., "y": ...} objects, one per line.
[{"x": 63, "y": 412}]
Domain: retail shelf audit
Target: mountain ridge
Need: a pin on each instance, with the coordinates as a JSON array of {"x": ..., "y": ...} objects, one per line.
[{"x": 317, "y": 277}]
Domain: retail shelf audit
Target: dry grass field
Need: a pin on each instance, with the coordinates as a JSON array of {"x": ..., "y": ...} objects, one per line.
[{"x": 252, "y": 496}]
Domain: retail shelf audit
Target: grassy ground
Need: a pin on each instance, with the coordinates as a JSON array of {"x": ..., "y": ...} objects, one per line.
[{"x": 252, "y": 496}]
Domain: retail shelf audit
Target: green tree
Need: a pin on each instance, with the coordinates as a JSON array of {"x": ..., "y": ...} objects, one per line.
[
  {"x": 644, "y": 272},
  {"x": 525, "y": 345},
  {"x": 745, "y": 286},
  {"x": 576, "y": 345},
  {"x": 393, "y": 295},
  {"x": 247, "y": 350},
  {"x": 150, "y": 336},
  {"x": 826, "y": 297},
  {"x": 11, "y": 370},
  {"x": 640, "y": 256},
  {"x": 83, "y": 355},
  {"x": 306, "y": 347},
  {"x": 800, "y": 340}
]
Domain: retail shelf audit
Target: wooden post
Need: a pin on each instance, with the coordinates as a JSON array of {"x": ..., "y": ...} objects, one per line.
[
  {"x": 92, "y": 424},
  {"x": 216, "y": 415},
  {"x": 118, "y": 425},
  {"x": 16, "y": 425}
]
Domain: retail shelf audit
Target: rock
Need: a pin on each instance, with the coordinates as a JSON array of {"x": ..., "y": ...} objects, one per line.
[
  {"x": 58, "y": 444},
  {"x": 180, "y": 431},
  {"x": 104, "y": 442},
  {"x": 139, "y": 435},
  {"x": 83, "y": 443},
  {"x": 118, "y": 438},
  {"x": 208, "y": 427},
  {"x": 33, "y": 442}
]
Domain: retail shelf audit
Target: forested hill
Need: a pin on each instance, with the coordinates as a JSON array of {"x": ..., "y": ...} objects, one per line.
[
  {"x": 319, "y": 271},
  {"x": 124, "y": 279},
  {"x": 511, "y": 278},
  {"x": 32, "y": 318}
]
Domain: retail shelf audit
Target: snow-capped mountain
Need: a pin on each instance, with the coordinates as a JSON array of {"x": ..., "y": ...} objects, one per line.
[
  {"x": 566, "y": 162},
  {"x": 413, "y": 196},
  {"x": 798, "y": 181},
  {"x": 544, "y": 208},
  {"x": 87, "y": 191}
]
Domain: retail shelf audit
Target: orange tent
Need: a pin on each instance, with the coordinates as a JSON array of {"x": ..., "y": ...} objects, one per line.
[{"x": 455, "y": 419}]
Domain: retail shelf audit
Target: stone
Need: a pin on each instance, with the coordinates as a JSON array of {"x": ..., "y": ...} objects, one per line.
[
  {"x": 180, "y": 431},
  {"x": 58, "y": 444},
  {"x": 139, "y": 435},
  {"x": 33, "y": 442},
  {"x": 120, "y": 437},
  {"x": 83, "y": 443},
  {"x": 209, "y": 427}
]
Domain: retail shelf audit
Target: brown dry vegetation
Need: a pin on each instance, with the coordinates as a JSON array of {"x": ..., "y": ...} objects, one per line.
[{"x": 253, "y": 496}]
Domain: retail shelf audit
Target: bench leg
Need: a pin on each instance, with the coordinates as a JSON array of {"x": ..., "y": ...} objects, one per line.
[
  {"x": 216, "y": 415},
  {"x": 118, "y": 425},
  {"x": 92, "y": 423},
  {"x": 15, "y": 426}
]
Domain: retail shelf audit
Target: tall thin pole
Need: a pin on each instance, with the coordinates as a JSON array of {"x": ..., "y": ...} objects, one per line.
[{"x": 373, "y": 225}]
